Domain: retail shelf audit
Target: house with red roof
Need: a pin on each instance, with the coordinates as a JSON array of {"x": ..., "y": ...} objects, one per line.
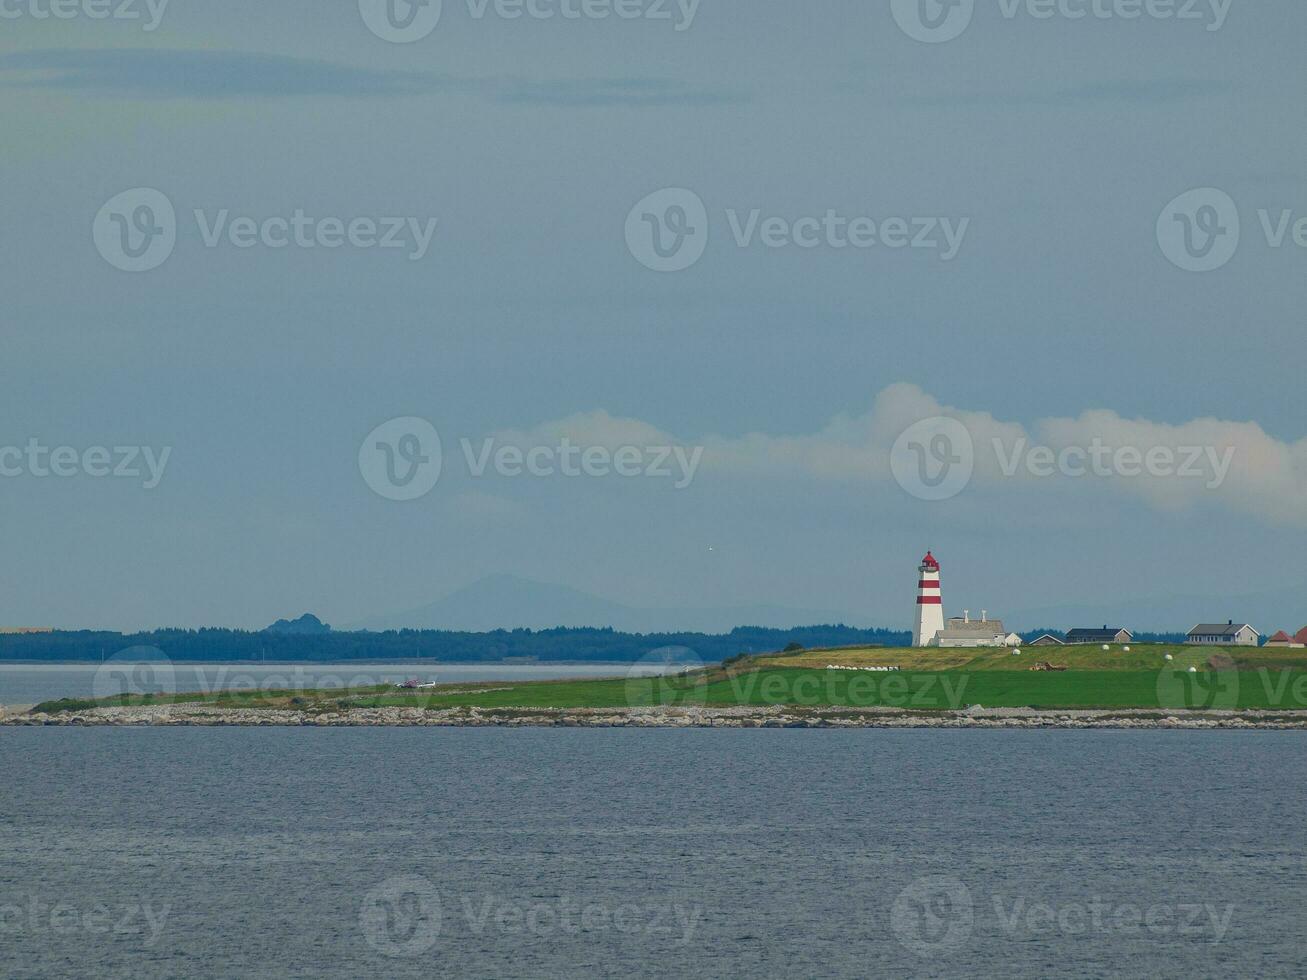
[{"x": 1283, "y": 639}]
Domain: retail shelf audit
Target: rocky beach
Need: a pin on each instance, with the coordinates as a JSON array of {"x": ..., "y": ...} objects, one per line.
[{"x": 976, "y": 717}]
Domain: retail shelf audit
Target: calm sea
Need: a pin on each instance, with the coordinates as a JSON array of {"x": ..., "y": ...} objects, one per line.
[
  {"x": 611, "y": 853},
  {"x": 23, "y": 684}
]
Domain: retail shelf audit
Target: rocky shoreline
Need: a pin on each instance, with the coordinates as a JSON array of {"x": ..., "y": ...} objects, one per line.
[{"x": 193, "y": 715}]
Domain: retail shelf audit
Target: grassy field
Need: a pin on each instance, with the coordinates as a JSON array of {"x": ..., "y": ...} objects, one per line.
[
  {"x": 926, "y": 680},
  {"x": 1089, "y": 657}
]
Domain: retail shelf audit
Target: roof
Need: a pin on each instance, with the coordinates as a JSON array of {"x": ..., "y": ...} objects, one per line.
[
  {"x": 1219, "y": 629},
  {"x": 957, "y": 625},
  {"x": 930, "y": 562},
  {"x": 1047, "y": 636},
  {"x": 1301, "y": 636},
  {"x": 1281, "y": 637},
  {"x": 1106, "y": 633},
  {"x": 990, "y": 627}
]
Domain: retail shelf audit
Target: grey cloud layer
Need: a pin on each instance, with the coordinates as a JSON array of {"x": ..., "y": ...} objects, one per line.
[{"x": 161, "y": 74}]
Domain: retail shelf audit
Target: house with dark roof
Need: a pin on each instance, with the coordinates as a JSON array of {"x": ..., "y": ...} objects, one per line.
[
  {"x": 1047, "y": 640},
  {"x": 1230, "y": 634},
  {"x": 1107, "y": 634}
]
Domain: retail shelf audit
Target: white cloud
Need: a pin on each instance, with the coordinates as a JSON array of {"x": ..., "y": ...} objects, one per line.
[
  {"x": 1240, "y": 467},
  {"x": 588, "y": 429}
]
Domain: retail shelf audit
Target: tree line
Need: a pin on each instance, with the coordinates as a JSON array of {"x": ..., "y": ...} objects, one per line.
[{"x": 553, "y": 645}]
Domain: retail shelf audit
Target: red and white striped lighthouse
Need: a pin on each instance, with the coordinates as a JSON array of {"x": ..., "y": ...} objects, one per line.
[{"x": 930, "y": 604}]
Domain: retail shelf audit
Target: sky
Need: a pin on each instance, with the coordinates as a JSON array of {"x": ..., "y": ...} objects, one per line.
[{"x": 816, "y": 287}]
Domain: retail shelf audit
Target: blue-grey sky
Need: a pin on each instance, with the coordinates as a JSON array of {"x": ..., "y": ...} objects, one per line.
[{"x": 1054, "y": 144}]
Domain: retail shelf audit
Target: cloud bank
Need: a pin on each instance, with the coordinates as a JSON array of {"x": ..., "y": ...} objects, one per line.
[{"x": 1201, "y": 463}]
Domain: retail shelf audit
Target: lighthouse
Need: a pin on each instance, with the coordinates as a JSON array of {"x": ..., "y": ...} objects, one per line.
[{"x": 930, "y": 607}]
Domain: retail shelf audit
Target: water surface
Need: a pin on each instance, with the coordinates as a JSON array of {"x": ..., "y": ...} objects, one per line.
[{"x": 566, "y": 853}]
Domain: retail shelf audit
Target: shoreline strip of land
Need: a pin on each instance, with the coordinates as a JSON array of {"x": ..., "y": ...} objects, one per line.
[{"x": 774, "y": 716}]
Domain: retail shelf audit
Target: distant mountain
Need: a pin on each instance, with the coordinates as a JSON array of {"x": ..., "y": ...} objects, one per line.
[
  {"x": 510, "y": 602},
  {"x": 308, "y": 624}
]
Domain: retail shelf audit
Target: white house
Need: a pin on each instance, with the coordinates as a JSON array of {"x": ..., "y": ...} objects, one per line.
[{"x": 1229, "y": 634}]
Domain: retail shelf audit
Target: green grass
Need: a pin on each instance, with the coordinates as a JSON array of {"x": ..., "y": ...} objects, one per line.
[
  {"x": 1087, "y": 657},
  {"x": 928, "y": 680}
]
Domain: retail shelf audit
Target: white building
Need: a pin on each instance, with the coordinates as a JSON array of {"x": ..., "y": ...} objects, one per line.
[
  {"x": 1229, "y": 634},
  {"x": 982, "y": 632}
]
